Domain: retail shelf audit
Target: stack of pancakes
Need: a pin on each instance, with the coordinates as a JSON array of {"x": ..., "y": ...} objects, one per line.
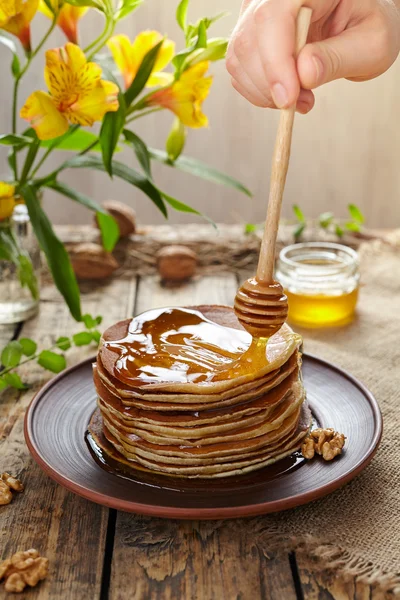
[{"x": 186, "y": 392}]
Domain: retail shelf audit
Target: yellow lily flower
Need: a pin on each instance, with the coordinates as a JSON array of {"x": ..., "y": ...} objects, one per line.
[
  {"x": 77, "y": 94},
  {"x": 7, "y": 200},
  {"x": 186, "y": 96},
  {"x": 15, "y": 17},
  {"x": 67, "y": 19},
  {"x": 128, "y": 56}
]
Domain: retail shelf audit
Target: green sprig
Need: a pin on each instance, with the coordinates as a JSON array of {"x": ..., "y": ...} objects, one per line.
[{"x": 24, "y": 350}]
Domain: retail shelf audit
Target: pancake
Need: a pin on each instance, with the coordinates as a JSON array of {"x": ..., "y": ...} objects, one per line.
[
  {"x": 209, "y": 468},
  {"x": 188, "y": 393}
]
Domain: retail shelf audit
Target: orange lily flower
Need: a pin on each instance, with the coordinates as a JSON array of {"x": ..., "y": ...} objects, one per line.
[
  {"x": 67, "y": 18},
  {"x": 7, "y": 200},
  {"x": 78, "y": 95},
  {"x": 128, "y": 56},
  {"x": 15, "y": 17},
  {"x": 186, "y": 96}
]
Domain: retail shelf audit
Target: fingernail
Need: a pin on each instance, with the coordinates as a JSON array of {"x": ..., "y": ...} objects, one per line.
[
  {"x": 279, "y": 95},
  {"x": 319, "y": 69}
]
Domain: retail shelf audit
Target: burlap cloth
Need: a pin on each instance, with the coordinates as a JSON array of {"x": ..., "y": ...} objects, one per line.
[{"x": 356, "y": 530}]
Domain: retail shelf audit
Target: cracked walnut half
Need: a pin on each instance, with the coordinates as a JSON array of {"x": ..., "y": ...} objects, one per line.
[
  {"x": 326, "y": 442},
  {"x": 22, "y": 569}
]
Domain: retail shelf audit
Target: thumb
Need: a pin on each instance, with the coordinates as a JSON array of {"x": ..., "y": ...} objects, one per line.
[{"x": 352, "y": 55}]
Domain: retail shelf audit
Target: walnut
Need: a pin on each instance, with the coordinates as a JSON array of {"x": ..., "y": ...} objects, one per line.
[
  {"x": 91, "y": 261},
  {"x": 124, "y": 215},
  {"x": 5, "y": 493},
  {"x": 176, "y": 263},
  {"x": 22, "y": 569},
  {"x": 326, "y": 442},
  {"x": 8, "y": 483},
  {"x": 12, "y": 482}
]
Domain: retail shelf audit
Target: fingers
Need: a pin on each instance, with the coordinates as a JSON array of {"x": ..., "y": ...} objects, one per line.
[
  {"x": 275, "y": 30},
  {"x": 305, "y": 101},
  {"x": 357, "y": 53}
]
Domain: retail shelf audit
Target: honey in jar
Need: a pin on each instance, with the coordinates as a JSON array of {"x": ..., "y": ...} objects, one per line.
[{"x": 321, "y": 281}]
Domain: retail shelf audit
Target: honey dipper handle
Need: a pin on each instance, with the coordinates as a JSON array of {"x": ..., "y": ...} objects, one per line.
[{"x": 280, "y": 163}]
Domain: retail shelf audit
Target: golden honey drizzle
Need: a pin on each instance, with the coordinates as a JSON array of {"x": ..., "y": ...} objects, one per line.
[{"x": 177, "y": 345}]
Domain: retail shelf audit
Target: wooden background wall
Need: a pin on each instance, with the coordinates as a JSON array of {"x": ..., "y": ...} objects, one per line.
[{"x": 346, "y": 150}]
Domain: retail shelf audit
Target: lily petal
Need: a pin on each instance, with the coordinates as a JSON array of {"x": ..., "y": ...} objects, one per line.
[
  {"x": 40, "y": 111},
  {"x": 92, "y": 107}
]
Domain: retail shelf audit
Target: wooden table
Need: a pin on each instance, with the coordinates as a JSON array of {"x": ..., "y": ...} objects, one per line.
[{"x": 97, "y": 553}]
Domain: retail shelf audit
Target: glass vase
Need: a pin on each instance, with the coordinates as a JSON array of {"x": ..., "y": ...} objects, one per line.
[{"x": 18, "y": 300}]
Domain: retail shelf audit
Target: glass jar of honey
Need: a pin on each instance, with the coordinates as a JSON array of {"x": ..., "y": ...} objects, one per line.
[{"x": 321, "y": 281}]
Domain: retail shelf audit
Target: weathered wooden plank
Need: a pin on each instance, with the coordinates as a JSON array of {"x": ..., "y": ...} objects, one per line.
[
  {"x": 70, "y": 531},
  {"x": 328, "y": 586},
  {"x": 169, "y": 559}
]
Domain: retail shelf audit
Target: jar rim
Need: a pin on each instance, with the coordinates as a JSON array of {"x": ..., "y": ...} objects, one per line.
[{"x": 352, "y": 254}]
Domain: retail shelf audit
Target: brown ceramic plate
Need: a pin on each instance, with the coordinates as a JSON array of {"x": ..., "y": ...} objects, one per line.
[{"x": 58, "y": 416}]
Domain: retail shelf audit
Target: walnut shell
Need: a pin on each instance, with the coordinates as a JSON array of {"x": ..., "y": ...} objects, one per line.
[
  {"x": 91, "y": 261},
  {"x": 123, "y": 214},
  {"x": 176, "y": 263}
]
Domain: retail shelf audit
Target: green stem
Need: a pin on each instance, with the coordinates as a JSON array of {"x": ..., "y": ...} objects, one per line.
[
  {"x": 16, "y": 88},
  {"x": 56, "y": 143},
  {"x": 99, "y": 42},
  {"x": 14, "y": 124},
  {"x": 144, "y": 114}
]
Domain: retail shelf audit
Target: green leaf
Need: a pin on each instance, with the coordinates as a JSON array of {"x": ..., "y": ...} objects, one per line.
[
  {"x": 91, "y": 3},
  {"x": 298, "y": 231},
  {"x": 201, "y": 35},
  {"x": 11, "y": 354},
  {"x": 141, "y": 151},
  {"x": 30, "y": 158},
  {"x": 109, "y": 230},
  {"x": 15, "y": 66},
  {"x": 356, "y": 213},
  {"x": 123, "y": 172},
  {"x": 352, "y": 226},
  {"x": 181, "y": 14},
  {"x": 14, "y": 380},
  {"x": 339, "y": 231},
  {"x": 143, "y": 74},
  {"x": 99, "y": 320},
  {"x": 12, "y": 139},
  {"x": 56, "y": 255},
  {"x": 3, "y": 384},
  {"x": 89, "y": 321},
  {"x": 127, "y": 7},
  {"x": 83, "y": 338},
  {"x": 176, "y": 140},
  {"x": 76, "y": 141},
  {"x": 199, "y": 169},
  {"x": 181, "y": 207},
  {"x": 250, "y": 228},
  {"x": 27, "y": 276},
  {"x": 325, "y": 219},
  {"x": 216, "y": 50},
  {"x": 110, "y": 131},
  {"x": 96, "y": 336},
  {"x": 52, "y": 361},
  {"x": 298, "y": 213},
  {"x": 63, "y": 343},
  {"x": 28, "y": 346},
  {"x": 108, "y": 226}
]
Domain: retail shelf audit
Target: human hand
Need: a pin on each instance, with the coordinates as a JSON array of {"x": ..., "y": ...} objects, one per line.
[{"x": 351, "y": 39}]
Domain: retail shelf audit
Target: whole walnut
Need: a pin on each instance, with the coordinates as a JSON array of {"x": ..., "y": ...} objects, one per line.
[
  {"x": 91, "y": 261},
  {"x": 176, "y": 263},
  {"x": 124, "y": 215}
]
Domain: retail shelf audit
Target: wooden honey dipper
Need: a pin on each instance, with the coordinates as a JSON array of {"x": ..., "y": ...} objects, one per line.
[{"x": 261, "y": 305}]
